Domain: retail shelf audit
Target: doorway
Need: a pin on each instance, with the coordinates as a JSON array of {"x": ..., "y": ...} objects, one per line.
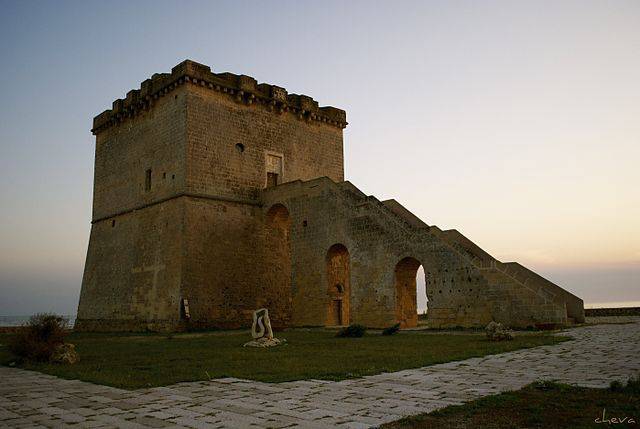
[{"x": 338, "y": 285}]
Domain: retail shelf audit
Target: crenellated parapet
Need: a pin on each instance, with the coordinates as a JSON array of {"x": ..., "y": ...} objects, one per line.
[{"x": 243, "y": 89}]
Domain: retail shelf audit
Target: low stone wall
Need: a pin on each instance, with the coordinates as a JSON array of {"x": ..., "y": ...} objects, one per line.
[{"x": 600, "y": 312}]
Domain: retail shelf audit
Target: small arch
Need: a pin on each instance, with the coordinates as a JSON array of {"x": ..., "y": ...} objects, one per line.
[
  {"x": 405, "y": 274},
  {"x": 278, "y": 215},
  {"x": 338, "y": 285}
]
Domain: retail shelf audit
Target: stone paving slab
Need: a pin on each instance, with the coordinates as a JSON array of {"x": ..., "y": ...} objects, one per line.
[{"x": 596, "y": 356}]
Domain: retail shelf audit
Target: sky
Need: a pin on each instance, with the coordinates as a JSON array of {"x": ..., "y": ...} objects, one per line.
[{"x": 515, "y": 122}]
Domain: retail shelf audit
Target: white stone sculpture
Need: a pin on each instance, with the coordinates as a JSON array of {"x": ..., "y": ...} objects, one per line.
[
  {"x": 261, "y": 331},
  {"x": 496, "y": 332}
]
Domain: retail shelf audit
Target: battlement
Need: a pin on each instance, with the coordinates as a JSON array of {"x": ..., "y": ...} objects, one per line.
[{"x": 244, "y": 89}]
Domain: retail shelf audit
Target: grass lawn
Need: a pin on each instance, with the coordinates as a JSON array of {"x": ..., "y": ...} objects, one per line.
[
  {"x": 539, "y": 405},
  {"x": 140, "y": 360}
]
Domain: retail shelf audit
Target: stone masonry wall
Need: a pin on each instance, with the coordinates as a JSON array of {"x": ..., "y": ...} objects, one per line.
[
  {"x": 216, "y": 124},
  {"x": 235, "y": 259},
  {"x": 153, "y": 140},
  {"x": 220, "y": 274},
  {"x": 133, "y": 268},
  {"x": 324, "y": 214},
  {"x": 133, "y": 271},
  {"x": 385, "y": 248}
]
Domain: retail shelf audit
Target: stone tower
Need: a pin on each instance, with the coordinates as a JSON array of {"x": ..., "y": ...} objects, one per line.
[
  {"x": 179, "y": 166},
  {"x": 215, "y": 195}
]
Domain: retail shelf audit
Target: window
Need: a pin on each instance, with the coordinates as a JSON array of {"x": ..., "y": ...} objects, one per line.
[
  {"x": 147, "y": 180},
  {"x": 272, "y": 179},
  {"x": 273, "y": 164}
]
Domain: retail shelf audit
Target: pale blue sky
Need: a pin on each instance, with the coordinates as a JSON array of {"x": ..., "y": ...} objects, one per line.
[{"x": 515, "y": 122}]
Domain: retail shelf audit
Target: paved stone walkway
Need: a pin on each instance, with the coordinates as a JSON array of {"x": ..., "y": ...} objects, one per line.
[{"x": 597, "y": 355}]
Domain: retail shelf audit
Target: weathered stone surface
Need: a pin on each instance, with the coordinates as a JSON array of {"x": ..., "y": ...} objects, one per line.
[{"x": 230, "y": 194}]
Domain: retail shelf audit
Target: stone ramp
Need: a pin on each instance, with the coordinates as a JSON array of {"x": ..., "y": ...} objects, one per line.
[
  {"x": 515, "y": 295},
  {"x": 558, "y": 305},
  {"x": 574, "y": 305},
  {"x": 511, "y": 287},
  {"x": 596, "y": 356}
]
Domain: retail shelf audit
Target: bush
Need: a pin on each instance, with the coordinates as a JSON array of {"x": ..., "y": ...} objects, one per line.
[
  {"x": 391, "y": 329},
  {"x": 547, "y": 385},
  {"x": 616, "y": 386},
  {"x": 353, "y": 331},
  {"x": 633, "y": 384},
  {"x": 39, "y": 338}
]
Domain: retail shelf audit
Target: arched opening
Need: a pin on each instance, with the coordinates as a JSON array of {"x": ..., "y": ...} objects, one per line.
[
  {"x": 405, "y": 276},
  {"x": 278, "y": 216},
  {"x": 275, "y": 294},
  {"x": 421, "y": 295},
  {"x": 338, "y": 285}
]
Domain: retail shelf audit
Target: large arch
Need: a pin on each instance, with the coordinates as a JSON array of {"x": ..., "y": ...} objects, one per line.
[
  {"x": 405, "y": 288},
  {"x": 275, "y": 294},
  {"x": 278, "y": 215},
  {"x": 338, "y": 285}
]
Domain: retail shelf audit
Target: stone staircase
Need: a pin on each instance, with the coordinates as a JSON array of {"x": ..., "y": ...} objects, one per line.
[{"x": 517, "y": 293}]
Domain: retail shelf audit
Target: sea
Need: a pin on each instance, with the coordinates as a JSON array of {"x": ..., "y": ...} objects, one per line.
[{"x": 21, "y": 320}]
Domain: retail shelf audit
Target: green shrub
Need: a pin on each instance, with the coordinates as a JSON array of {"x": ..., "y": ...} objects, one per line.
[
  {"x": 391, "y": 329},
  {"x": 633, "y": 384},
  {"x": 616, "y": 386},
  {"x": 37, "y": 340},
  {"x": 353, "y": 331}
]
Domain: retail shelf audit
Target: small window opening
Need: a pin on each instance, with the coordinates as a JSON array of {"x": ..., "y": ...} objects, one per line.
[
  {"x": 240, "y": 147},
  {"x": 304, "y": 223},
  {"x": 273, "y": 164},
  {"x": 113, "y": 223},
  {"x": 147, "y": 180},
  {"x": 339, "y": 288},
  {"x": 164, "y": 175},
  {"x": 272, "y": 179},
  {"x": 184, "y": 309},
  {"x": 173, "y": 176}
]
